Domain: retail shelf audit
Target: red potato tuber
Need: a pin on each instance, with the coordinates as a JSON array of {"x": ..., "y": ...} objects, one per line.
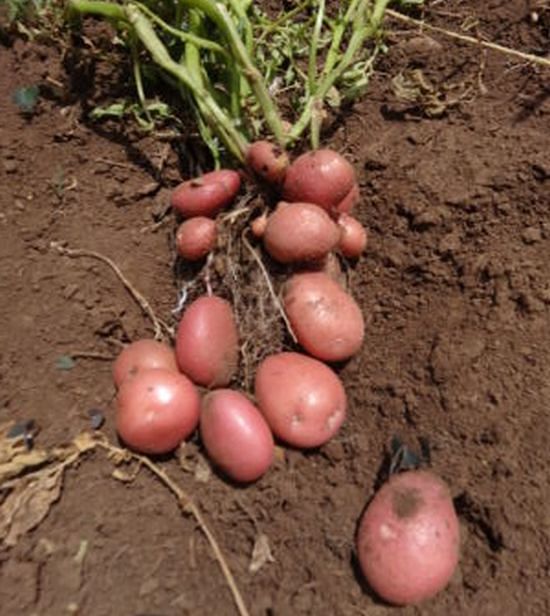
[
  {"x": 156, "y": 410},
  {"x": 207, "y": 342},
  {"x": 327, "y": 321},
  {"x": 196, "y": 238},
  {"x": 323, "y": 177},
  {"x": 408, "y": 539},
  {"x": 207, "y": 194},
  {"x": 353, "y": 237},
  {"x": 258, "y": 225},
  {"x": 267, "y": 161},
  {"x": 142, "y": 355},
  {"x": 349, "y": 201},
  {"x": 236, "y": 435},
  {"x": 302, "y": 399},
  {"x": 300, "y": 232}
]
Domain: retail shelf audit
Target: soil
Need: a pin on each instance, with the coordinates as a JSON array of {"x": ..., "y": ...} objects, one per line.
[{"x": 455, "y": 286}]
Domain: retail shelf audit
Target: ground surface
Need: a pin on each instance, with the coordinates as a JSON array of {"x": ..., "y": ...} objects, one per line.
[{"x": 456, "y": 289}]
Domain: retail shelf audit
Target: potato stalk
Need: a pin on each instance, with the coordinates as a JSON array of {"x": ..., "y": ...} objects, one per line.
[
  {"x": 221, "y": 17},
  {"x": 361, "y": 32}
]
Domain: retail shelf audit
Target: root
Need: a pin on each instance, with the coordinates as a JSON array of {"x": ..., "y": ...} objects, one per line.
[
  {"x": 158, "y": 325},
  {"x": 31, "y": 493},
  {"x": 269, "y": 284},
  {"x": 470, "y": 39},
  {"x": 187, "y": 506}
]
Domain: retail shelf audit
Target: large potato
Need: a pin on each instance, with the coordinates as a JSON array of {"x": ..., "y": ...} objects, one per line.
[
  {"x": 207, "y": 342},
  {"x": 323, "y": 177},
  {"x": 302, "y": 399},
  {"x": 408, "y": 539},
  {"x": 300, "y": 232},
  {"x": 326, "y": 320},
  {"x": 236, "y": 435},
  {"x": 156, "y": 410}
]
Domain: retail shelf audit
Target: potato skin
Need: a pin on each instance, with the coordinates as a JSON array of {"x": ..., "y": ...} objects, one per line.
[
  {"x": 327, "y": 321},
  {"x": 349, "y": 201},
  {"x": 408, "y": 541},
  {"x": 236, "y": 435},
  {"x": 267, "y": 161},
  {"x": 156, "y": 410},
  {"x": 353, "y": 237},
  {"x": 302, "y": 399},
  {"x": 196, "y": 238},
  {"x": 207, "y": 194},
  {"x": 323, "y": 177},
  {"x": 207, "y": 342},
  {"x": 300, "y": 232},
  {"x": 142, "y": 355}
]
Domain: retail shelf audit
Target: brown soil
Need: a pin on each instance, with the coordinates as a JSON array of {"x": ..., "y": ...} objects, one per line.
[{"x": 456, "y": 288}]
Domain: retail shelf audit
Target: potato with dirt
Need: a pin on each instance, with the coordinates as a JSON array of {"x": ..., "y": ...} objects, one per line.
[{"x": 408, "y": 541}]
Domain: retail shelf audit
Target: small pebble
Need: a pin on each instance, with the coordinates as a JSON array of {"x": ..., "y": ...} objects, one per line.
[
  {"x": 531, "y": 235},
  {"x": 97, "y": 418}
]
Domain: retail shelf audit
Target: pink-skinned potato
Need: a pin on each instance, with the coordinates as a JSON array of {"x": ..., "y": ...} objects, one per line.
[
  {"x": 349, "y": 201},
  {"x": 323, "y": 177},
  {"x": 142, "y": 355},
  {"x": 300, "y": 232},
  {"x": 207, "y": 342},
  {"x": 326, "y": 320},
  {"x": 268, "y": 161},
  {"x": 408, "y": 540},
  {"x": 196, "y": 238},
  {"x": 207, "y": 194},
  {"x": 236, "y": 435},
  {"x": 301, "y": 398},
  {"x": 353, "y": 237},
  {"x": 156, "y": 410}
]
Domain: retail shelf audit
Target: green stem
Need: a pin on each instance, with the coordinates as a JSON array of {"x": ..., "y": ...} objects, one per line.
[
  {"x": 185, "y": 37},
  {"x": 312, "y": 64},
  {"x": 221, "y": 17},
  {"x": 360, "y": 34},
  {"x": 97, "y": 7},
  {"x": 137, "y": 76},
  {"x": 334, "y": 49},
  {"x": 215, "y": 116}
]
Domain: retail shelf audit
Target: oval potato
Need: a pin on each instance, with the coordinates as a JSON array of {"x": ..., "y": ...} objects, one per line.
[{"x": 207, "y": 347}]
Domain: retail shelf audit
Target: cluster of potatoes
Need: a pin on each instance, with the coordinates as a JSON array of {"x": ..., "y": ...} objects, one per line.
[{"x": 407, "y": 542}]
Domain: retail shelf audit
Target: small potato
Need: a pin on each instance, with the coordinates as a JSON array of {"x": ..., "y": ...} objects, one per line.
[
  {"x": 349, "y": 201},
  {"x": 327, "y": 321},
  {"x": 207, "y": 347},
  {"x": 258, "y": 225},
  {"x": 302, "y": 399},
  {"x": 156, "y": 410},
  {"x": 196, "y": 238},
  {"x": 300, "y": 232},
  {"x": 207, "y": 194},
  {"x": 267, "y": 161},
  {"x": 409, "y": 539},
  {"x": 142, "y": 355},
  {"x": 235, "y": 435},
  {"x": 353, "y": 237},
  {"x": 323, "y": 177}
]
